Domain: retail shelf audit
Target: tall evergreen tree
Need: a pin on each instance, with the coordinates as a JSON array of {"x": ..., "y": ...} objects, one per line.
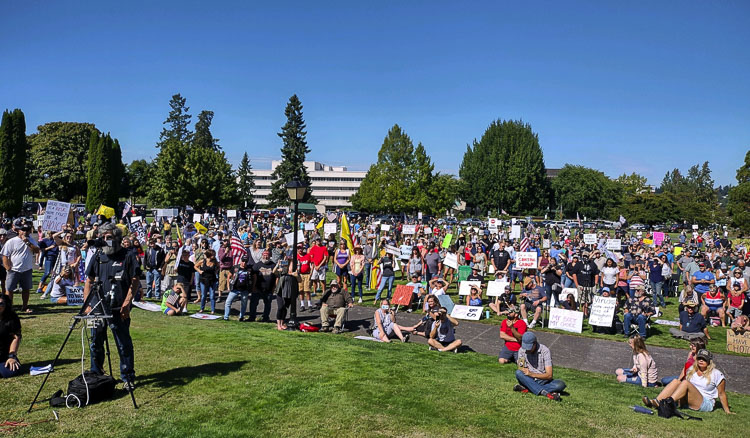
[
  {"x": 738, "y": 204},
  {"x": 13, "y": 150},
  {"x": 178, "y": 123},
  {"x": 293, "y": 153},
  {"x": 505, "y": 170},
  {"x": 116, "y": 173},
  {"x": 245, "y": 182},
  {"x": 98, "y": 166},
  {"x": 203, "y": 137},
  {"x": 693, "y": 193}
]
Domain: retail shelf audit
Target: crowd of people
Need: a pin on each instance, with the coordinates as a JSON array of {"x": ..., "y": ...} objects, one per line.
[{"x": 249, "y": 257}]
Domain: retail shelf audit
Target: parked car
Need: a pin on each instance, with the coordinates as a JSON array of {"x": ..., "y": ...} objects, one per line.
[{"x": 638, "y": 227}]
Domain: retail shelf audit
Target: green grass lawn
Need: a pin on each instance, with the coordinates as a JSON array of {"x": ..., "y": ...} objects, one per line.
[{"x": 201, "y": 378}]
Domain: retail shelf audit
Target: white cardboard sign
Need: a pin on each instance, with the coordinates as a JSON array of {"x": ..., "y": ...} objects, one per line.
[
  {"x": 465, "y": 287},
  {"x": 472, "y": 313},
  {"x": 409, "y": 229},
  {"x": 515, "y": 232},
  {"x": 393, "y": 250},
  {"x": 567, "y": 320},
  {"x": 385, "y": 227},
  {"x": 197, "y": 217},
  {"x": 451, "y": 261},
  {"x": 614, "y": 244},
  {"x": 55, "y": 216},
  {"x": 526, "y": 260},
  {"x": 589, "y": 239},
  {"x": 329, "y": 229},
  {"x": 231, "y": 213},
  {"x": 290, "y": 237},
  {"x": 496, "y": 288},
  {"x": 166, "y": 212},
  {"x": 309, "y": 226},
  {"x": 603, "y": 311}
]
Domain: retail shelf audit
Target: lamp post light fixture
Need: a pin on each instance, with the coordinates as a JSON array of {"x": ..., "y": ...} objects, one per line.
[{"x": 296, "y": 190}]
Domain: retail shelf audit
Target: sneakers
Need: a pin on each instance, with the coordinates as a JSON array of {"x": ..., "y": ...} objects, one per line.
[
  {"x": 532, "y": 325},
  {"x": 553, "y": 396},
  {"x": 302, "y": 308},
  {"x": 336, "y": 330},
  {"x": 359, "y": 301},
  {"x": 432, "y": 348},
  {"x": 520, "y": 388},
  {"x": 325, "y": 328},
  {"x": 408, "y": 310},
  {"x": 406, "y": 337},
  {"x": 129, "y": 386}
]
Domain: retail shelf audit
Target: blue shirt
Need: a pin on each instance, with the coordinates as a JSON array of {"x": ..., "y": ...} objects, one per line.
[
  {"x": 705, "y": 275},
  {"x": 654, "y": 269},
  {"x": 696, "y": 324}
]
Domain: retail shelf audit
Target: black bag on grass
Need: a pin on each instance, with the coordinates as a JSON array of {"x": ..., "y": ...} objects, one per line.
[
  {"x": 95, "y": 388},
  {"x": 668, "y": 409}
]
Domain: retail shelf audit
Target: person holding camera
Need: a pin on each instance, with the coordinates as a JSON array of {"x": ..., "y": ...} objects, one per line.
[
  {"x": 442, "y": 334},
  {"x": 116, "y": 269},
  {"x": 511, "y": 331},
  {"x": 534, "y": 373},
  {"x": 18, "y": 258}
]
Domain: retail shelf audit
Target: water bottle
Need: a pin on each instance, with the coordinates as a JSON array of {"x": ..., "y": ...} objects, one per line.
[
  {"x": 487, "y": 314},
  {"x": 642, "y": 410}
]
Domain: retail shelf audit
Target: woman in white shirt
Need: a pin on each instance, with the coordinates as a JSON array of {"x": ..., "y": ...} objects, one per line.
[{"x": 703, "y": 384}]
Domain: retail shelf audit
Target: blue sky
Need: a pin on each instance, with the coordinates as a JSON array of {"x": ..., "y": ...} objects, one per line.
[{"x": 618, "y": 86}]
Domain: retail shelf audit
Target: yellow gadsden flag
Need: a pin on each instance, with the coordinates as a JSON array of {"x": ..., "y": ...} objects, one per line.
[
  {"x": 345, "y": 233},
  {"x": 201, "y": 229},
  {"x": 105, "y": 211},
  {"x": 321, "y": 223}
]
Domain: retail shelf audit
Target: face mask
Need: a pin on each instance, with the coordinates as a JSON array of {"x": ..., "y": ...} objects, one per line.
[
  {"x": 109, "y": 242},
  {"x": 384, "y": 307}
]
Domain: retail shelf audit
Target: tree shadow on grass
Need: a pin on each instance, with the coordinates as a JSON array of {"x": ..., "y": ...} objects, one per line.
[{"x": 184, "y": 375}]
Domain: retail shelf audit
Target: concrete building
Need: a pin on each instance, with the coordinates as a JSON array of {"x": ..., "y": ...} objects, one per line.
[{"x": 332, "y": 186}]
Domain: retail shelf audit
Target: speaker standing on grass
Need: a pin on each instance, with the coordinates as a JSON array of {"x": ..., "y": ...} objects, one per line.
[{"x": 116, "y": 268}]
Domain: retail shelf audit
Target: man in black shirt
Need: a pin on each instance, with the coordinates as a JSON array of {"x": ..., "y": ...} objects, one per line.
[
  {"x": 116, "y": 268},
  {"x": 475, "y": 276},
  {"x": 154, "y": 260},
  {"x": 264, "y": 283},
  {"x": 586, "y": 277},
  {"x": 500, "y": 258}
]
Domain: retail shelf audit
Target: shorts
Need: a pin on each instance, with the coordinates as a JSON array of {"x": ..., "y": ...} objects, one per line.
[
  {"x": 53, "y": 300},
  {"x": 224, "y": 279},
  {"x": 445, "y": 343},
  {"x": 305, "y": 283},
  {"x": 166, "y": 311},
  {"x": 530, "y": 307},
  {"x": 342, "y": 271},
  {"x": 507, "y": 354},
  {"x": 707, "y": 405},
  {"x": 15, "y": 279},
  {"x": 734, "y": 311},
  {"x": 319, "y": 274},
  {"x": 587, "y": 294}
]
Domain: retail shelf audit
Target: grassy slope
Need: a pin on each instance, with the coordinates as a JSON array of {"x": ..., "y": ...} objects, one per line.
[{"x": 232, "y": 379}]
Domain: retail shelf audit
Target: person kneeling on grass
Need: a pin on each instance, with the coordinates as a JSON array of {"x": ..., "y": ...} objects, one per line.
[
  {"x": 176, "y": 301},
  {"x": 534, "y": 373},
  {"x": 700, "y": 389},
  {"x": 385, "y": 324},
  {"x": 442, "y": 334},
  {"x": 644, "y": 370},
  {"x": 334, "y": 302}
]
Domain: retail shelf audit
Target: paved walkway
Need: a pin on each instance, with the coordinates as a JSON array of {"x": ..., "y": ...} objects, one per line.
[{"x": 581, "y": 353}]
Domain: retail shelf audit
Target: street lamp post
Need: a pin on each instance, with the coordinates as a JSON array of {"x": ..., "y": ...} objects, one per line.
[{"x": 296, "y": 190}]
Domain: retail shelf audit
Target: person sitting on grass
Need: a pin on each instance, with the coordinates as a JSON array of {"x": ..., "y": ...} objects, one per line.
[
  {"x": 385, "y": 324},
  {"x": 569, "y": 303},
  {"x": 692, "y": 324},
  {"x": 703, "y": 384},
  {"x": 425, "y": 324},
  {"x": 503, "y": 303},
  {"x": 334, "y": 302},
  {"x": 535, "y": 373},
  {"x": 735, "y": 301},
  {"x": 57, "y": 288},
  {"x": 442, "y": 334},
  {"x": 644, "y": 370},
  {"x": 176, "y": 301},
  {"x": 696, "y": 345},
  {"x": 475, "y": 297},
  {"x": 637, "y": 311},
  {"x": 511, "y": 331},
  {"x": 10, "y": 339}
]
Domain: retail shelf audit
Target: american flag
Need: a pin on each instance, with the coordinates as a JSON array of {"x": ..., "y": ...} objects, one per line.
[
  {"x": 524, "y": 244},
  {"x": 238, "y": 249}
]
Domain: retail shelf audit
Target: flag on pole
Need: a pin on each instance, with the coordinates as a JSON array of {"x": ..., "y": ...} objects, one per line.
[
  {"x": 504, "y": 212},
  {"x": 126, "y": 209},
  {"x": 345, "y": 233},
  {"x": 622, "y": 220},
  {"x": 321, "y": 223},
  {"x": 238, "y": 249},
  {"x": 578, "y": 218},
  {"x": 524, "y": 244}
]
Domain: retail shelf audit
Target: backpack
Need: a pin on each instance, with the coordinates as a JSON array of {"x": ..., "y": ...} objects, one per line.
[
  {"x": 668, "y": 409},
  {"x": 86, "y": 389}
]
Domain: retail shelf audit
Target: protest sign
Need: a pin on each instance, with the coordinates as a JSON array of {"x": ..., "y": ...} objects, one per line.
[
  {"x": 546, "y": 244},
  {"x": 419, "y": 215},
  {"x": 738, "y": 343},
  {"x": 526, "y": 260},
  {"x": 55, "y": 216},
  {"x": 496, "y": 288},
  {"x": 403, "y": 295},
  {"x": 393, "y": 250},
  {"x": 409, "y": 229},
  {"x": 451, "y": 261},
  {"x": 74, "y": 295},
  {"x": 329, "y": 229},
  {"x": 105, "y": 211},
  {"x": 567, "y": 320},
  {"x": 231, "y": 213},
  {"x": 446, "y": 301},
  {"x": 200, "y": 228},
  {"x": 166, "y": 212},
  {"x": 385, "y": 227},
  {"x": 589, "y": 239},
  {"x": 472, "y": 313},
  {"x": 310, "y": 226},
  {"x": 695, "y": 227},
  {"x": 658, "y": 238},
  {"x": 205, "y": 316},
  {"x": 197, "y": 217},
  {"x": 648, "y": 241},
  {"x": 464, "y": 287},
  {"x": 515, "y": 232},
  {"x": 135, "y": 219},
  {"x": 290, "y": 237},
  {"x": 603, "y": 311},
  {"x": 427, "y": 230},
  {"x": 492, "y": 225},
  {"x": 447, "y": 240},
  {"x": 614, "y": 244},
  {"x": 677, "y": 250}
]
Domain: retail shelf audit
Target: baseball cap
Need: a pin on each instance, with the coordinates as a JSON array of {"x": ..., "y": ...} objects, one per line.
[
  {"x": 528, "y": 340},
  {"x": 704, "y": 354},
  {"x": 606, "y": 289}
]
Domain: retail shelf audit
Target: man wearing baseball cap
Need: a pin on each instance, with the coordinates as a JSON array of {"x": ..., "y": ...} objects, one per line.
[
  {"x": 534, "y": 373},
  {"x": 692, "y": 324}
]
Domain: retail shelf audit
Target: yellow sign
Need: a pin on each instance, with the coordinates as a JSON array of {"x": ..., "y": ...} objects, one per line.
[
  {"x": 648, "y": 242},
  {"x": 677, "y": 250},
  {"x": 201, "y": 229},
  {"x": 105, "y": 211}
]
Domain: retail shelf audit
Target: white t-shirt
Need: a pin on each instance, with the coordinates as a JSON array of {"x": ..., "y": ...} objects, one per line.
[
  {"x": 20, "y": 254},
  {"x": 609, "y": 275},
  {"x": 437, "y": 292},
  {"x": 707, "y": 390}
]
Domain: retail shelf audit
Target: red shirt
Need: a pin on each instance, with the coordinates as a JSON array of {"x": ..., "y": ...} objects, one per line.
[
  {"x": 304, "y": 263},
  {"x": 318, "y": 253},
  {"x": 520, "y": 326}
]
